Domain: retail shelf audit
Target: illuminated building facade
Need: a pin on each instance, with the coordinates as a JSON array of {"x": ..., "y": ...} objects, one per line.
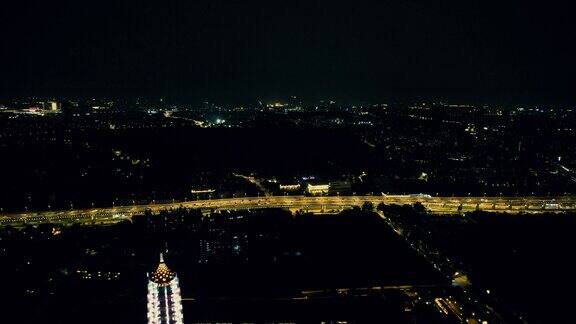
[
  {"x": 53, "y": 106},
  {"x": 317, "y": 189},
  {"x": 164, "y": 299},
  {"x": 289, "y": 187}
]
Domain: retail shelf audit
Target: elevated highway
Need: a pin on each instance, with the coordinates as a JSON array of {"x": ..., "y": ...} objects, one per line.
[{"x": 440, "y": 205}]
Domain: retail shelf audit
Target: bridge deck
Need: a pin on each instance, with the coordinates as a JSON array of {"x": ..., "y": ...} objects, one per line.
[{"x": 447, "y": 205}]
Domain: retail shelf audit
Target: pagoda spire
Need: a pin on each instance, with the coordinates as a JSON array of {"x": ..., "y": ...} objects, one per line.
[{"x": 164, "y": 299}]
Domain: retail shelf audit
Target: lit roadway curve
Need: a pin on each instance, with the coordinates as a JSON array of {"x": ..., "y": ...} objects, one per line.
[{"x": 324, "y": 204}]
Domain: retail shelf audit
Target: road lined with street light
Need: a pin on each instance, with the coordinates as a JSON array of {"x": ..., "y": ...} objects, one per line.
[{"x": 324, "y": 204}]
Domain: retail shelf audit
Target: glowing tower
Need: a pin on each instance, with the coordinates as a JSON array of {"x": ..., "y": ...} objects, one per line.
[{"x": 164, "y": 300}]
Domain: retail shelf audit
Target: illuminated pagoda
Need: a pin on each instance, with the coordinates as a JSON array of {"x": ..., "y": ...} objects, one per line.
[{"x": 164, "y": 299}]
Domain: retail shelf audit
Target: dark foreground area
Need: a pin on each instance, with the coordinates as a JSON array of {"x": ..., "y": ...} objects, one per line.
[
  {"x": 265, "y": 265},
  {"x": 270, "y": 265},
  {"x": 525, "y": 261}
]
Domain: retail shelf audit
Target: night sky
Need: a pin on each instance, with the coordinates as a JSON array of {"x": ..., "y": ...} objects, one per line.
[{"x": 234, "y": 51}]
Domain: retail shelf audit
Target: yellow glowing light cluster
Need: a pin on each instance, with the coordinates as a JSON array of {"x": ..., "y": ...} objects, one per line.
[{"x": 162, "y": 276}]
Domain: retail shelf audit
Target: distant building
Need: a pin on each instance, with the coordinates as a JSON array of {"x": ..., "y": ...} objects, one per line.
[
  {"x": 203, "y": 193},
  {"x": 53, "y": 106},
  {"x": 164, "y": 299},
  {"x": 289, "y": 187},
  {"x": 332, "y": 188},
  {"x": 317, "y": 188}
]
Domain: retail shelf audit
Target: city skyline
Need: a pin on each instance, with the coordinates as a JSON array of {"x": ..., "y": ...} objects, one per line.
[{"x": 306, "y": 161}]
